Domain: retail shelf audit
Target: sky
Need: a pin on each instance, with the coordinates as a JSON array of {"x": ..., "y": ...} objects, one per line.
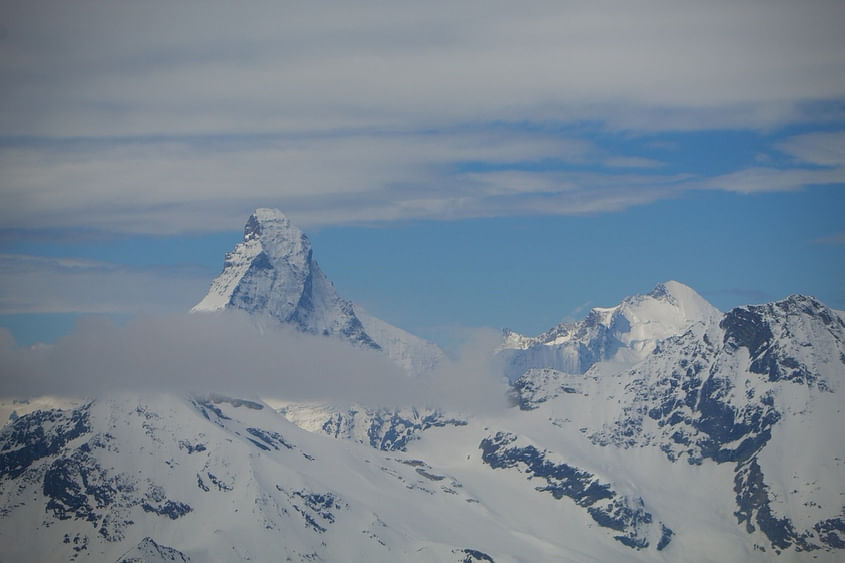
[{"x": 456, "y": 165}]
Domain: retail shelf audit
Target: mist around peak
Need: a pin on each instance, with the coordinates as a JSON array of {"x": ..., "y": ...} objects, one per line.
[{"x": 233, "y": 353}]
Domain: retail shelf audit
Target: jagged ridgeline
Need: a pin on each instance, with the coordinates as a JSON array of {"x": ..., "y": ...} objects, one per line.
[{"x": 659, "y": 429}]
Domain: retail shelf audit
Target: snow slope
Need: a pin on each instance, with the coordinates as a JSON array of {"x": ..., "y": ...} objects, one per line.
[
  {"x": 412, "y": 353},
  {"x": 223, "y": 479}
]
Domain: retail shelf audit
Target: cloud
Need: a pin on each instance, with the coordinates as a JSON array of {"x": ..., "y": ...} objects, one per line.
[
  {"x": 632, "y": 162},
  {"x": 161, "y": 118},
  {"x": 32, "y": 284},
  {"x": 173, "y": 186},
  {"x": 760, "y": 180},
  {"x": 230, "y": 353},
  {"x": 576, "y": 313},
  {"x": 184, "y": 185},
  {"x": 821, "y": 148},
  {"x": 819, "y": 160},
  {"x": 835, "y": 238},
  {"x": 210, "y": 67},
  {"x": 166, "y": 186}
]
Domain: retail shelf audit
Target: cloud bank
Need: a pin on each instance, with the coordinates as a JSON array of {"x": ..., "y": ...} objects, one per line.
[
  {"x": 98, "y": 68},
  {"x": 229, "y": 353}
]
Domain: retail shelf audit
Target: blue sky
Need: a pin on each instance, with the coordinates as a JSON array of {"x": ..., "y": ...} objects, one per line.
[{"x": 455, "y": 166}]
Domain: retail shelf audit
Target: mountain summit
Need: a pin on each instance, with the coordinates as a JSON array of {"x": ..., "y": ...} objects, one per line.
[
  {"x": 626, "y": 333},
  {"x": 272, "y": 273}
]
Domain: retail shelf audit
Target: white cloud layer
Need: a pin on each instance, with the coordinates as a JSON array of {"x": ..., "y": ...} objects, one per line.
[
  {"x": 100, "y": 68},
  {"x": 229, "y": 353}
]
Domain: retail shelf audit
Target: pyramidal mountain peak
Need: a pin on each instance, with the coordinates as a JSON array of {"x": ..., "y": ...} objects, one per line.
[
  {"x": 270, "y": 244},
  {"x": 272, "y": 274},
  {"x": 278, "y": 236}
]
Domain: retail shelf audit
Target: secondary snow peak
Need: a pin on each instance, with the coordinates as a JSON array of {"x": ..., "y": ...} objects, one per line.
[
  {"x": 626, "y": 333},
  {"x": 689, "y": 303}
]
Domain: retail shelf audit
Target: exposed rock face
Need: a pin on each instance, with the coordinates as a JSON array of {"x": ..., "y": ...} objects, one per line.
[
  {"x": 630, "y": 523},
  {"x": 383, "y": 429}
]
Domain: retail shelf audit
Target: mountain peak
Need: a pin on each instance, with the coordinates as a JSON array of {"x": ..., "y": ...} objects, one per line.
[
  {"x": 627, "y": 332},
  {"x": 277, "y": 236},
  {"x": 689, "y": 302},
  {"x": 670, "y": 288},
  {"x": 272, "y": 222},
  {"x": 272, "y": 273},
  {"x": 269, "y": 214}
]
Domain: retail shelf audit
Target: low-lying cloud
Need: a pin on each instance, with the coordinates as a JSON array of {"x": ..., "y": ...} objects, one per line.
[{"x": 230, "y": 353}]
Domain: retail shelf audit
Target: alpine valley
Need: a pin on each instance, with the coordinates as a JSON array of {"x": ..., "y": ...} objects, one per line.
[{"x": 660, "y": 429}]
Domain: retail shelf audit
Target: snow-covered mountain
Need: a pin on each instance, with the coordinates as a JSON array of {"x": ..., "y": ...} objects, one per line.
[
  {"x": 163, "y": 478},
  {"x": 625, "y": 334},
  {"x": 657, "y": 430},
  {"x": 757, "y": 390},
  {"x": 273, "y": 274}
]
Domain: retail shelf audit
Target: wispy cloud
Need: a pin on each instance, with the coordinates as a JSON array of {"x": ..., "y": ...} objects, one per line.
[
  {"x": 825, "y": 148},
  {"x": 759, "y": 180},
  {"x": 165, "y": 186},
  {"x": 32, "y": 284},
  {"x": 835, "y": 238},
  {"x": 174, "y": 185},
  {"x": 632, "y": 162}
]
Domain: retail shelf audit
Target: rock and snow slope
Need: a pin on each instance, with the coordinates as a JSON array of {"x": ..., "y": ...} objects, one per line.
[
  {"x": 757, "y": 390},
  {"x": 157, "y": 477}
]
